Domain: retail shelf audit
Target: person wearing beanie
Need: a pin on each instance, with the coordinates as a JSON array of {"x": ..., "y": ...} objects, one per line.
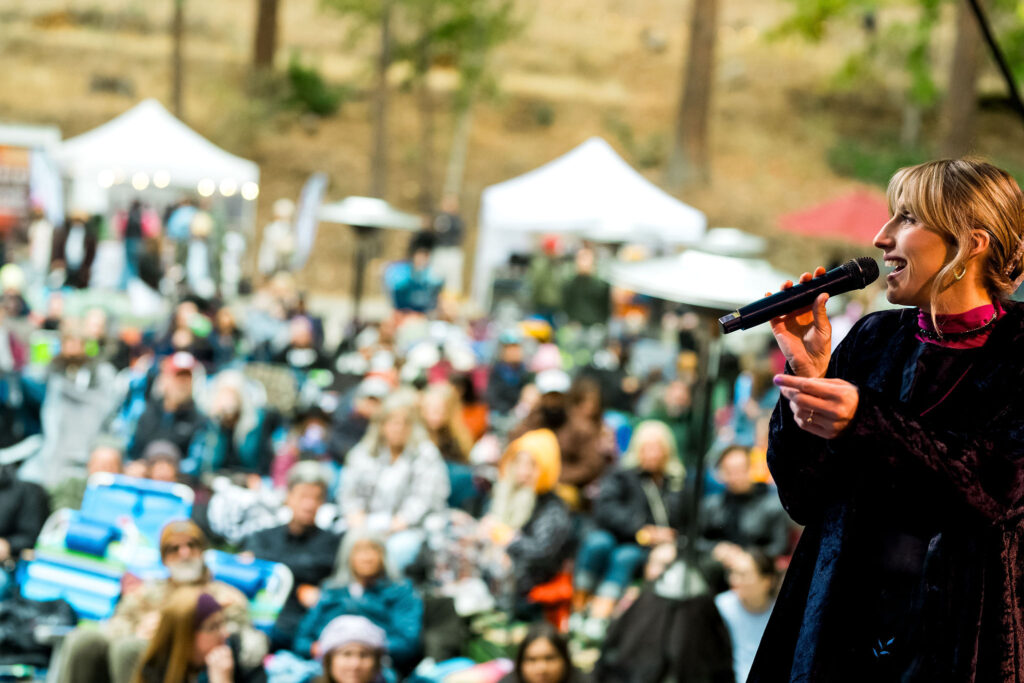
[
  {"x": 352, "y": 650},
  {"x": 109, "y": 653},
  {"x": 192, "y": 642}
]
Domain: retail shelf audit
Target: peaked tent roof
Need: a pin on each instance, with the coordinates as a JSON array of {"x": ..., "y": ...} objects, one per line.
[
  {"x": 147, "y": 138},
  {"x": 591, "y": 192},
  {"x": 856, "y": 217}
]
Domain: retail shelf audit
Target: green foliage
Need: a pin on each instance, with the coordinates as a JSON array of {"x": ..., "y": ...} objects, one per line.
[
  {"x": 873, "y": 162},
  {"x": 649, "y": 151},
  {"x": 810, "y": 18},
  {"x": 309, "y": 92}
]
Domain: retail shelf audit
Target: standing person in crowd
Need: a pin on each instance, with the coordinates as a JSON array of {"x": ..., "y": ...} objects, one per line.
[
  {"x": 586, "y": 298},
  {"x": 543, "y": 657},
  {"x": 639, "y": 507},
  {"x": 307, "y": 550},
  {"x": 24, "y": 508},
  {"x": 745, "y": 514},
  {"x": 418, "y": 289},
  {"x": 672, "y": 407},
  {"x": 363, "y": 587},
  {"x": 171, "y": 413},
  {"x": 353, "y": 651},
  {"x": 907, "y": 477},
  {"x": 544, "y": 278},
  {"x": 132, "y": 242},
  {"x": 110, "y": 652},
  {"x": 192, "y": 643},
  {"x": 394, "y": 478},
  {"x": 40, "y": 244},
  {"x": 278, "y": 242},
  {"x": 74, "y": 249},
  {"x": 747, "y": 605},
  {"x": 449, "y": 230}
]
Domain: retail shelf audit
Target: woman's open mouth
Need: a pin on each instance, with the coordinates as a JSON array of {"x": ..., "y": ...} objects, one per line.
[{"x": 897, "y": 265}]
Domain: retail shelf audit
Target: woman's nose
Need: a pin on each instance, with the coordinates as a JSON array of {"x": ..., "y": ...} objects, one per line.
[{"x": 884, "y": 237}]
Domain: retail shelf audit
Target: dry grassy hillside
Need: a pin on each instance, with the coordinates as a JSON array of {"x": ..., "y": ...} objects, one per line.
[{"x": 581, "y": 68}]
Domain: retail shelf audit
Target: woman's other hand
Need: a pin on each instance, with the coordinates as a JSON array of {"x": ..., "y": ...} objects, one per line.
[
  {"x": 220, "y": 665},
  {"x": 823, "y": 407},
  {"x": 805, "y": 336}
]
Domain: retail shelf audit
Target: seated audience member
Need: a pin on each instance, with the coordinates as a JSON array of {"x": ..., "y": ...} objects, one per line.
[
  {"x": 106, "y": 456},
  {"x": 236, "y": 436},
  {"x": 745, "y": 514},
  {"x": 304, "y": 548},
  {"x": 302, "y": 353},
  {"x": 747, "y": 605},
  {"x": 350, "y": 422},
  {"x": 363, "y": 587},
  {"x": 171, "y": 415},
  {"x": 192, "y": 642},
  {"x": 543, "y": 657},
  {"x": 526, "y": 517},
  {"x": 441, "y": 412},
  {"x": 508, "y": 375},
  {"x": 353, "y": 651},
  {"x": 639, "y": 507},
  {"x": 110, "y": 651},
  {"x": 24, "y": 507},
  {"x": 161, "y": 461},
  {"x": 394, "y": 478}
]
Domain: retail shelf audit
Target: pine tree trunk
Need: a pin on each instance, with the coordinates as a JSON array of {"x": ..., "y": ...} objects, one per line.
[
  {"x": 379, "y": 175},
  {"x": 265, "y": 43},
  {"x": 426, "y": 112},
  {"x": 689, "y": 161},
  {"x": 177, "y": 58},
  {"x": 961, "y": 101}
]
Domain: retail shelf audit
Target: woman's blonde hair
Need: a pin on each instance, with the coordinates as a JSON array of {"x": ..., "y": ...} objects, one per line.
[
  {"x": 171, "y": 646},
  {"x": 404, "y": 400},
  {"x": 659, "y": 431},
  {"x": 452, "y": 417},
  {"x": 954, "y": 197}
]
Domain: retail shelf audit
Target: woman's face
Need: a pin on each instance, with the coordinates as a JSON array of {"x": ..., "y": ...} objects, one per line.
[
  {"x": 433, "y": 410},
  {"x": 524, "y": 470},
  {"x": 542, "y": 663},
  {"x": 750, "y": 586},
  {"x": 353, "y": 663},
  {"x": 652, "y": 456},
  {"x": 916, "y": 254},
  {"x": 366, "y": 561},
  {"x": 213, "y": 632},
  {"x": 396, "y": 429}
]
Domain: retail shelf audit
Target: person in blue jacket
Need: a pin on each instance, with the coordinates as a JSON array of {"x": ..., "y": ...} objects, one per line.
[{"x": 363, "y": 587}]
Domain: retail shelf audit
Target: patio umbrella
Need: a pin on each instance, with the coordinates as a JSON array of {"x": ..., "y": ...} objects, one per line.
[{"x": 856, "y": 217}]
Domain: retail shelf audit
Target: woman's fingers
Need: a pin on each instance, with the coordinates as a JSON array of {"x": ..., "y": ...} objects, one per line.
[
  {"x": 820, "y": 314},
  {"x": 822, "y": 387}
]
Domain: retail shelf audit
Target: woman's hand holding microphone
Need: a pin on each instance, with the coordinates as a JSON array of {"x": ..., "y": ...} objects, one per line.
[{"x": 821, "y": 406}]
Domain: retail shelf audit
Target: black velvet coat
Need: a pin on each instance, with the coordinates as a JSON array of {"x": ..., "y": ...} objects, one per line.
[{"x": 934, "y": 457}]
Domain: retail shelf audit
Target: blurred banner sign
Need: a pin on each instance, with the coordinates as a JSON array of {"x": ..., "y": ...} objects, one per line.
[{"x": 306, "y": 220}]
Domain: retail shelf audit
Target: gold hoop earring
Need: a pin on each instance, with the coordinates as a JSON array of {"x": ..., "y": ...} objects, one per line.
[{"x": 960, "y": 275}]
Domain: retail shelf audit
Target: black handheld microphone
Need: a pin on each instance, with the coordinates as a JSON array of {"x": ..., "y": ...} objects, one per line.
[{"x": 854, "y": 274}]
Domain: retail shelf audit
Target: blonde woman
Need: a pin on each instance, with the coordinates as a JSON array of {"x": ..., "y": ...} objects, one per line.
[
  {"x": 639, "y": 506},
  {"x": 441, "y": 411},
  {"x": 902, "y": 452},
  {"x": 394, "y": 478}
]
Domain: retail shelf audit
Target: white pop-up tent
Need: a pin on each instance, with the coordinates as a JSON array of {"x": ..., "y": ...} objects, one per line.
[
  {"x": 590, "y": 192},
  {"x": 147, "y": 147}
]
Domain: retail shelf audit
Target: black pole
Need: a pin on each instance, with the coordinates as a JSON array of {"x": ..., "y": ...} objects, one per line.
[
  {"x": 708, "y": 357},
  {"x": 363, "y": 235},
  {"x": 997, "y": 55}
]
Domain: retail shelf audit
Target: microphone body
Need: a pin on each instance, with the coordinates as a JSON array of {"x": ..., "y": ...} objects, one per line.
[{"x": 854, "y": 274}]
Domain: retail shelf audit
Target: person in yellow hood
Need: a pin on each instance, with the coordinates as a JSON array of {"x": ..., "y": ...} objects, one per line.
[{"x": 526, "y": 516}]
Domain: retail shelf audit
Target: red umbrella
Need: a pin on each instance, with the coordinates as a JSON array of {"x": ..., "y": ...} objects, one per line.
[{"x": 856, "y": 217}]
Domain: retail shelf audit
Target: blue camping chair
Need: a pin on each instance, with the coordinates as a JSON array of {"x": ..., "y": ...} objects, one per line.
[
  {"x": 81, "y": 554},
  {"x": 265, "y": 584}
]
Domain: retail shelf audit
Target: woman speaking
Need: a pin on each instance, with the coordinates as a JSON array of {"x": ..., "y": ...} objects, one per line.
[{"x": 903, "y": 452}]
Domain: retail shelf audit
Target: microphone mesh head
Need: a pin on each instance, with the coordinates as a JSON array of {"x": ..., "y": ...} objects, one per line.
[{"x": 868, "y": 268}]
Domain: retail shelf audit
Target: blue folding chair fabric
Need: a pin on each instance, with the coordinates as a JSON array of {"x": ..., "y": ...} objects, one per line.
[{"x": 266, "y": 584}]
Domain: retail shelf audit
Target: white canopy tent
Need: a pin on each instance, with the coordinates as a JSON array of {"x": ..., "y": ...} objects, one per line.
[
  {"x": 590, "y": 192},
  {"x": 148, "y": 147}
]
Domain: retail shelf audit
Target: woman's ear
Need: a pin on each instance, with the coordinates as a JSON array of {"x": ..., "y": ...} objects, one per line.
[{"x": 980, "y": 240}]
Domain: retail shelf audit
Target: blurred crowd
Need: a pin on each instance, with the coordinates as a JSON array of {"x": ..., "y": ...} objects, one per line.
[{"x": 435, "y": 482}]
